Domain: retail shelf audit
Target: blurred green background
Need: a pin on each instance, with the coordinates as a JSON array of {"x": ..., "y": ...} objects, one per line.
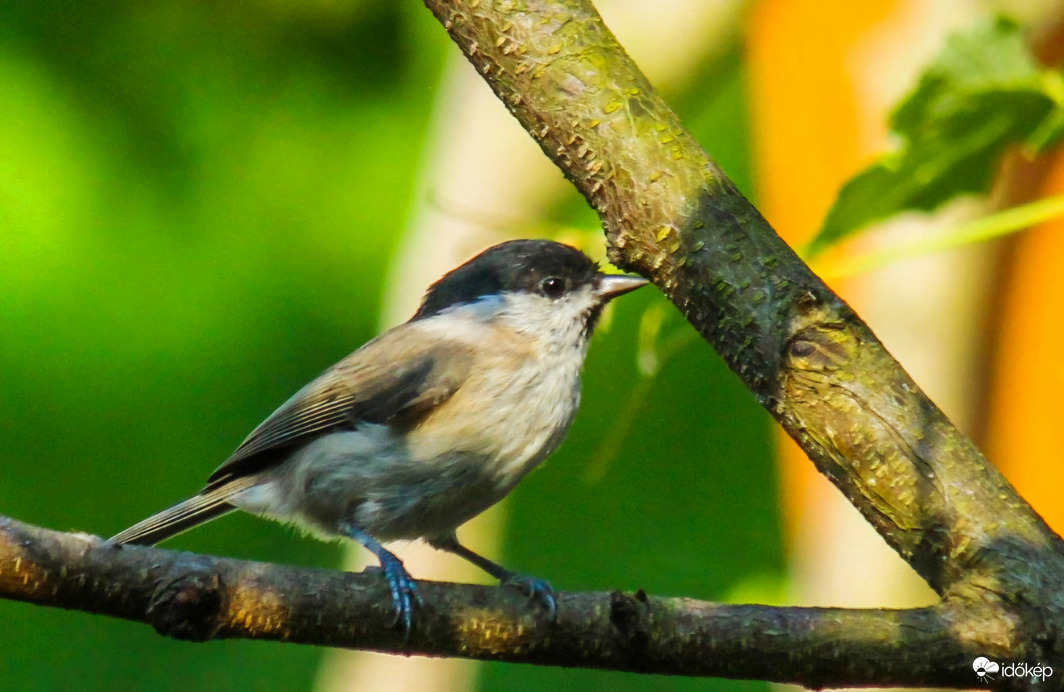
[{"x": 198, "y": 206}]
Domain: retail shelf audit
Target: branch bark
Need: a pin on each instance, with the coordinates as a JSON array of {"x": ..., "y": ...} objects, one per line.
[
  {"x": 672, "y": 215},
  {"x": 198, "y": 597}
]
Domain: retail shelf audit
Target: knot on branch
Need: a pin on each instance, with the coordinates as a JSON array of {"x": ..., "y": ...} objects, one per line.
[
  {"x": 822, "y": 348},
  {"x": 628, "y": 615},
  {"x": 190, "y": 606},
  {"x": 869, "y": 429}
]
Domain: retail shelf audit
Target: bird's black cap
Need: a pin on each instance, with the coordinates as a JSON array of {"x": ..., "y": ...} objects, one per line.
[{"x": 513, "y": 266}]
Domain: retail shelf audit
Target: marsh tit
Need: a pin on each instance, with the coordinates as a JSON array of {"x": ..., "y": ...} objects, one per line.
[{"x": 429, "y": 424}]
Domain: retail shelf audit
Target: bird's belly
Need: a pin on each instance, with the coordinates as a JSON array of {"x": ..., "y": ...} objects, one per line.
[{"x": 368, "y": 478}]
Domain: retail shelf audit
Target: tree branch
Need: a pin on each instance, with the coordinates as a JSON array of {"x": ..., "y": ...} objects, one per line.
[
  {"x": 198, "y": 597},
  {"x": 671, "y": 214}
]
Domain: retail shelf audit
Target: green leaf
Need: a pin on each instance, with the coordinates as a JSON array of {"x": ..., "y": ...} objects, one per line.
[
  {"x": 1002, "y": 223},
  {"x": 983, "y": 93}
]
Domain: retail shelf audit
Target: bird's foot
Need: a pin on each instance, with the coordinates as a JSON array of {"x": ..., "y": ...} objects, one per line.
[
  {"x": 404, "y": 592},
  {"x": 536, "y": 589},
  {"x": 400, "y": 583}
]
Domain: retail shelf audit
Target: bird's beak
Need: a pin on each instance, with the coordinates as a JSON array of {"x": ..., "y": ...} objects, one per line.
[{"x": 609, "y": 286}]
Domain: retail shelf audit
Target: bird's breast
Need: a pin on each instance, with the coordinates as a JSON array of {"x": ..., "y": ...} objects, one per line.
[{"x": 512, "y": 418}]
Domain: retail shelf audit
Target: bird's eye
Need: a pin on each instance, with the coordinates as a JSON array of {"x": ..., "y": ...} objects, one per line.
[{"x": 552, "y": 287}]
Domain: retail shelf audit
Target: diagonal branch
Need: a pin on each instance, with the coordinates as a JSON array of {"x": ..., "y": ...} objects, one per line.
[
  {"x": 198, "y": 597},
  {"x": 671, "y": 214}
]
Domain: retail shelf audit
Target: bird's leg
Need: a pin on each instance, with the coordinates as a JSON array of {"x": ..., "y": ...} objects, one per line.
[
  {"x": 535, "y": 589},
  {"x": 402, "y": 585}
]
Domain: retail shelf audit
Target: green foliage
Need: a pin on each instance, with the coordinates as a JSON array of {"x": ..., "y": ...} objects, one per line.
[
  {"x": 982, "y": 94},
  {"x": 197, "y": 206}
]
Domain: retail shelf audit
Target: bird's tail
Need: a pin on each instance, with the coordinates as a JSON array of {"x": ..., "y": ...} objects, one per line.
[{"x": 212, "y": 502}]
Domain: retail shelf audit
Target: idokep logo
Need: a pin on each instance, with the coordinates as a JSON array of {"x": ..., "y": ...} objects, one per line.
[
  {"x": 984, "y": 667},
  {"x": 986, "y": 670}
]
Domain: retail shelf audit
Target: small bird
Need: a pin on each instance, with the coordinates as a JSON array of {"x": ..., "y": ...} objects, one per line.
[{"x": 430, "y": 423}]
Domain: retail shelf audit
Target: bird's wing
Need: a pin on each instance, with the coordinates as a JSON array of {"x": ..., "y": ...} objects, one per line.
[{"x": 385, "y": 382}]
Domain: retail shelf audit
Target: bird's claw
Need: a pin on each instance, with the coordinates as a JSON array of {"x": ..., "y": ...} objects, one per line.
[
  {"x": 536, "y": 589},
  {"x": 404, "y": 593}
]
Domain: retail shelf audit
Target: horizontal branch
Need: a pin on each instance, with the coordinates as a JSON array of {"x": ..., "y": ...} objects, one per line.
[{"x": 198, "y": 598}]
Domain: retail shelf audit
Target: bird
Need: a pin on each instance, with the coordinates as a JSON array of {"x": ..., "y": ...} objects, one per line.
[{"x": 427, "y": 425}]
